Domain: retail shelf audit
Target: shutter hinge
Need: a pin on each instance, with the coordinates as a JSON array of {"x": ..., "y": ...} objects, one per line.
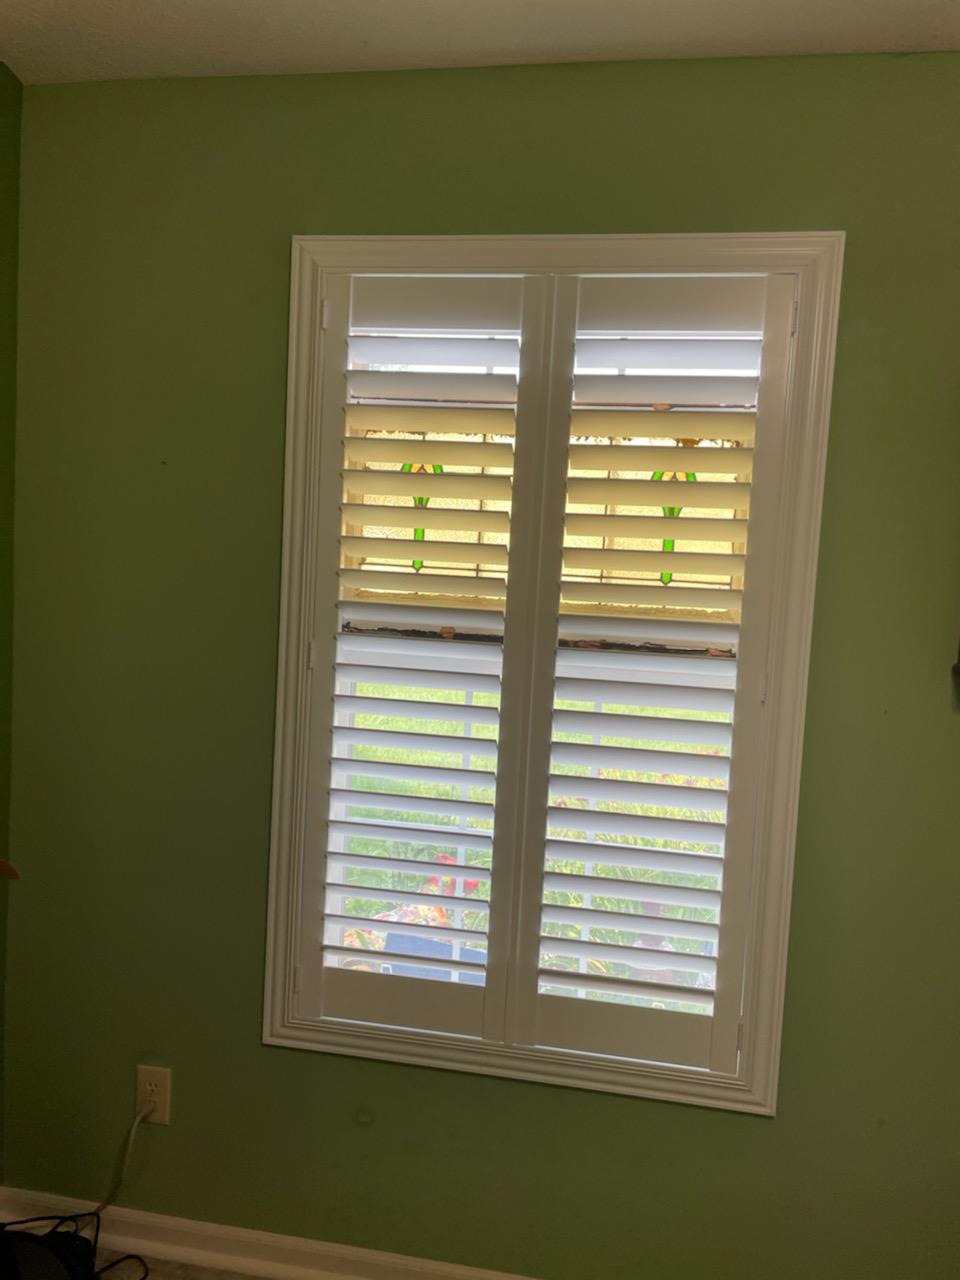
[
  {"x": 740, "y": 1038},
  {"x": 324, "y": 313},
  {"x": 311, "y": 655},
  {"x": 793, "y": 317}
]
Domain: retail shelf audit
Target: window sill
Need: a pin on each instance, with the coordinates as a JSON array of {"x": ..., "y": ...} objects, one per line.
[{"x": 538, "y": 1065}]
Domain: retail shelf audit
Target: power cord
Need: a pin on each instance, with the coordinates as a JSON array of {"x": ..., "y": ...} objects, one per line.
[
  {"x": 64, "y": 1245},
  {"x": 124, "y": 1159},
  {"x": 66, "y": 1240}
]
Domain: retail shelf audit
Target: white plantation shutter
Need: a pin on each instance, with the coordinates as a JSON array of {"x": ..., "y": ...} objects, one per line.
[
  {"x": 533, "y": 731},
  {"x": 657, "y": 512},
  {"x": 431, "y": 373}
]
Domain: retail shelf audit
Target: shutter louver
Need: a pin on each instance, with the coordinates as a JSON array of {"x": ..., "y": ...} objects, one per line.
[
  {"x": 431, "y": 376},
  {"x": 658, "y": 498}
]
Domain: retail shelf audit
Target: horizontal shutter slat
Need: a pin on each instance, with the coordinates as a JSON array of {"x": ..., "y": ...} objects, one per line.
[
  {"x": 696, "y": 636},
  {"x": 376, "y": 829},
  {"x": 656, "y": 794},
  {"x": 672, "y": 597},
  {"x": 473, "y": 810},
  {"x": 642, "y": 694},
  {"x": 671, "y": 895},
  {"x": 370, "y": 862},
  {"x": 692, "y": 529},
  {"x": 653, "y": 991},
  {"x": 659, "y": 729},
  {"x": 624, "y": 560},
  {"x": 385, "y": 517},
  {"x": 424, "y": 583},
  {"x": 417, "y": 485},
  {"x": 706, "y": 495},
  {"x": 431, "y": 419},
  {"x": 670, "y": 424},
  {"x": 488, "y": 553},
  {"x": 417, "y": 653},
  {"x": 655, "y": 926},
  {"x": 433, "y": 303},
  {"x": 446, "y": 453},
  {"x": 684, "y": 354},
  {"x": 401, "y": 928},
  {"x": 637, "y": 826},
  {"x": 407, "y": 350},
  {"x": 696, "y": 305},
  {"x": 377, "y": 893},
  {"x": 641, "y": 957},
  {"x": 640, "y": 760},
  {"x": 398, "y": 708},
  {"x": 411, "y": 772},
  {"x": 647, "y": 668},
  {"x": 368, "y": 616},
  {"x": 651, "y": 389},
  {"x": 649, "y": 457},
  {"x": 393, "y": 739},
  {"x": 383, "y": 956},
  {"x": 470, "y": 682},
  {"x": 675, "y": 861},
  {"x": 466, "y": 388}
]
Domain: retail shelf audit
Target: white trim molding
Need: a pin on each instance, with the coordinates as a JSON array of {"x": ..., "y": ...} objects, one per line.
[
  {"x": 808, "y": 265},
  {"x": 238, "y": 1249}
]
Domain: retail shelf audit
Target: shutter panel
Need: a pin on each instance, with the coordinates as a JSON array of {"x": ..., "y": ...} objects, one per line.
[
  {"x": 431, "y": 377},
  {"x": 580, "y": 905},
  {"x": 655, "y": 537}
]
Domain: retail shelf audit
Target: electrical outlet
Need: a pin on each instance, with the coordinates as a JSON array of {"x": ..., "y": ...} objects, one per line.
[{"x": 154, "y": 1085}]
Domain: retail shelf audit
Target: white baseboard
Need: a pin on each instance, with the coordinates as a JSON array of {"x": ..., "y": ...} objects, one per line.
[{"x": 253, "y": 1253}]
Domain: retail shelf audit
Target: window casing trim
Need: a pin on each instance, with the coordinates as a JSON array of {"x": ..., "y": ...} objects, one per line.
[{"x": 814, "y": 259}]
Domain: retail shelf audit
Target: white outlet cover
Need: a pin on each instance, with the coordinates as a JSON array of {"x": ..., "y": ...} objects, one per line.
[{"x": 154, "y": 1084}]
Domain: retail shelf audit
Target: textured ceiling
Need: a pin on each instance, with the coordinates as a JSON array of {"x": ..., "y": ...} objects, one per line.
[{"x": 45, "y": 41}]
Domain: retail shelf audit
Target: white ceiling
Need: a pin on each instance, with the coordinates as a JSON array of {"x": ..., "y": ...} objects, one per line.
[{"x": 46, "y": 41}]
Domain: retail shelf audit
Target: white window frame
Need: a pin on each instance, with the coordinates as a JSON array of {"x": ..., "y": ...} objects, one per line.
[{"x": 814, "y": 259}]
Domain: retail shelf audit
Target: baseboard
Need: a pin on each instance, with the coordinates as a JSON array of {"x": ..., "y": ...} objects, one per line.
[{"x": 253, "y": 1253}]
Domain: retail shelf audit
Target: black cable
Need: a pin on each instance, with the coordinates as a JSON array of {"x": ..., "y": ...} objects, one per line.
[{"x": 127, "y": 1257}]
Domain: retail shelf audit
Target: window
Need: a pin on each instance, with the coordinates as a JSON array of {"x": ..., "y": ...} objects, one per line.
[{"x": 551, "y": 527}]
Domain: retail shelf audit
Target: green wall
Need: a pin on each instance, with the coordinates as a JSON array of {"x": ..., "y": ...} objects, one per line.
[
  {"x": 157, "y": 220},
  {"x": 10, "y": 99}
]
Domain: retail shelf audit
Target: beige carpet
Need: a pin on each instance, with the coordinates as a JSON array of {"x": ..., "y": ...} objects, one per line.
[{"x": 161, "y": 1270}]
